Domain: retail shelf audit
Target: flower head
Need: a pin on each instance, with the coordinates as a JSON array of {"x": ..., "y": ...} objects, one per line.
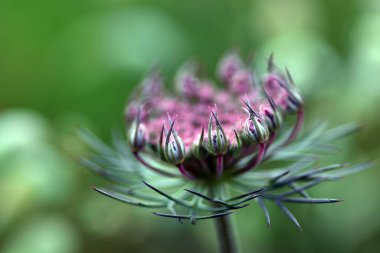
[
  {"x": 264, "y": 106},
  {"x": 217, "y": 140}
]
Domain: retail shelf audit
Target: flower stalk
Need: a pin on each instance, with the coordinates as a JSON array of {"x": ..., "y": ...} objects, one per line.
[
  {"x": 184, "y": 173},
  {"x": 255, "y": 161},
  {"x": 225, "y": 235},
  {"x": 297, "y": 127},
  {"x": 219, "y": 166},
  {"x": 151, "y": 167}
]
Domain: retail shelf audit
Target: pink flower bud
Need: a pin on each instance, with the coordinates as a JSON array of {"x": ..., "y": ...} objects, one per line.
[
  {"x": 241, "y": 82},
  {"x": 228, "y": 66}
]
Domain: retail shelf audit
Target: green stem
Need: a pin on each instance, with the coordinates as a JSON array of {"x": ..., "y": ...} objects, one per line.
[{"x": 226, "y": 236}]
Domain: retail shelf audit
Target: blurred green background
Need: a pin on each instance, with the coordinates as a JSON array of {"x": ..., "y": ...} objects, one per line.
[{"x": 65, "y": 64}]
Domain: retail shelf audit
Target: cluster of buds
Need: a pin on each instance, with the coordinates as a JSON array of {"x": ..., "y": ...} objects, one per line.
[
  {"x": 233, "y": 133},
  {"x": 201, "y": 144}
]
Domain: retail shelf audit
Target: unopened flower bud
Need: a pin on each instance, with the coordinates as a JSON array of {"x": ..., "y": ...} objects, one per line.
[
  {"x": 277, "y": 79},
  {"x": 254, "y": 127},
  {"x": 136, "y": 135},
  {"x": 294, "y": 100},
  {"x": 241, "y": 81},
  {"x": 186, "y": 80},
  {"x": 272, "y": 83},
  {"x": 256, "y": 130},
  {"x": 236, "y": 144},
  {"x": 198, "y": 148},
  {"x": 217, "y": 143},
  {"x": 152, "y": 86},
  {"x": 228, "y": 66},
  {"x": 273, "y": 119},
  {"x": 131, "y": 111},
  {"x": 217, "y": 140},
  {"x": 273, "y": 115},
  {"x": 187, "y": 85},
  {"x": 174, "y": 150}
]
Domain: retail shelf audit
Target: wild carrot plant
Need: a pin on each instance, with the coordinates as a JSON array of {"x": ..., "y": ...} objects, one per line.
[{"x": 204, "y": 151}]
